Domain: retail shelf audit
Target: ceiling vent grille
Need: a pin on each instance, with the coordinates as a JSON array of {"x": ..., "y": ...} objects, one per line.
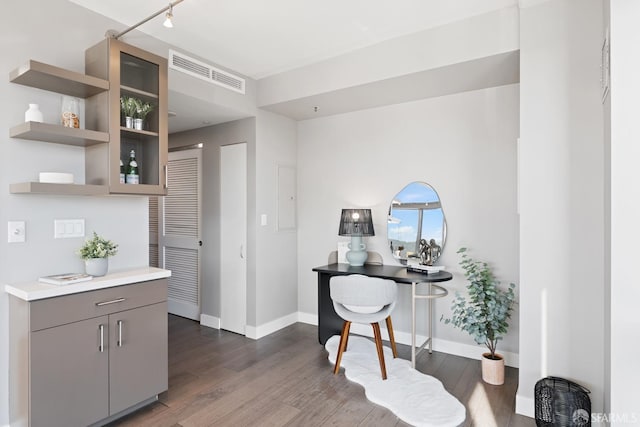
[{"x": 205, "y": 72}]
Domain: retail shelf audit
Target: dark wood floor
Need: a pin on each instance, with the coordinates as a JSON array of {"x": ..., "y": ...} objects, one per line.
[{"x": 218, "y": 378}]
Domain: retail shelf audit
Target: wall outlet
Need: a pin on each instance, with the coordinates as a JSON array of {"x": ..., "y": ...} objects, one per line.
[
  {"x": 67, "y": 228},
  {"x": 16, "y": 232}
]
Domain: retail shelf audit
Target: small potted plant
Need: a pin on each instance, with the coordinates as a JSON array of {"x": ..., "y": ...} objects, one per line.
[
  {"x": 142, "y": 110},
  {"x": 484, "y": 314},
  {"x": 128, "y": 107},
  {"x": 95, "y": 253}
]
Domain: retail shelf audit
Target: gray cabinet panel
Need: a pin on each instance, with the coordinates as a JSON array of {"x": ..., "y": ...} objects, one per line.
[
  {"x": 138, "y": 362},
  {"x": 70, "y": 308},
  {"x": 69, "y": 374}
]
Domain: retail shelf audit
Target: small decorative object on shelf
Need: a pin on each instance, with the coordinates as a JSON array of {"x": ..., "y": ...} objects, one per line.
[
  {"x": 133, "y": 177},
  {"x": 96, "y": 253},
  {"x": 142, "y": 110},
  {"x": 128, "y": 107},
  {"x": 122, "y": 174},
  {"x": 70, "y": 112},
  {"x": 33, "y": 114}
]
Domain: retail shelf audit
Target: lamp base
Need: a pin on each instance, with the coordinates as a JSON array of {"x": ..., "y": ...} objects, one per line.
[{"x": 358, "y": 253}]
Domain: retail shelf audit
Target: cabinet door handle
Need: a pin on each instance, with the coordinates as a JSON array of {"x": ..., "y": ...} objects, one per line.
[
  {"x": 119, "y": 333},
  {"x": 101, "y": 345},
  {"x": 166, "y": 177},
  {"x": 242, "y": 251},
  {"x": 113, "y": 301}
]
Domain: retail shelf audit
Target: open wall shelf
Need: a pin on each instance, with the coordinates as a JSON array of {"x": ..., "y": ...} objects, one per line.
[
  {"x": 48, "y": 77},
  {"x": 58, "y": 134}
]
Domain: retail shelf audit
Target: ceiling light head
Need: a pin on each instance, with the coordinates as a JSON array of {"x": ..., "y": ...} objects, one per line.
[{"x": 168, "y": 21}]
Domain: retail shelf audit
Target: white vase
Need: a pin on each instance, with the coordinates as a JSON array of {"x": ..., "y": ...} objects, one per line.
[
  {"x": 96, "y": 266},
  {"x": 138, "y": 124},
  {"x": 33, "y": 114}
]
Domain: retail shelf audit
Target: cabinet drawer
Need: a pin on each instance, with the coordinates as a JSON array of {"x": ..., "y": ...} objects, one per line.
[{"x": 57, "y": 311}]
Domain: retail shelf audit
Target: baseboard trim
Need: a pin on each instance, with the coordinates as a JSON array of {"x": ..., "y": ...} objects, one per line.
[
  {"x": 257, "y": 332},
  {"x": 308, "y": 318},
  {"x": 444, "y": 346},
  {"x": 525, "y": 406},
  {"x": 210, "y": 321}
]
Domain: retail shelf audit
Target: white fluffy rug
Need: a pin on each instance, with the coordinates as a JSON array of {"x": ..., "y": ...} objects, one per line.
[{"x": 414, "y": 397}]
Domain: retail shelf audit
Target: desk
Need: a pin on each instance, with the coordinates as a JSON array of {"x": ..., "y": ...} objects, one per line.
[{"x": 329, "y": 323}]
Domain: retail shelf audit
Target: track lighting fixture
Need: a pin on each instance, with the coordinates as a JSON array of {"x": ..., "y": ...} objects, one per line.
[{"x": 168, "y": 22}]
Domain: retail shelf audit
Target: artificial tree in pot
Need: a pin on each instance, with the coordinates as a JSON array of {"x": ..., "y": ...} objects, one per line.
[{"x": 484, "y": 314}]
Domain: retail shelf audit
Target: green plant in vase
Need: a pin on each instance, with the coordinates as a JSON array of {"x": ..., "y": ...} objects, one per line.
[
  {"x": 142, "y": 110},
  {"x": 484, "y": 314},
  {"x": 128, "y": 107},
  {"x": 95, "y": 253}
]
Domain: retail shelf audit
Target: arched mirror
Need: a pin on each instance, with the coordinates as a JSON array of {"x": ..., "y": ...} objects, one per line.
[{"x": 416, "y": 226}]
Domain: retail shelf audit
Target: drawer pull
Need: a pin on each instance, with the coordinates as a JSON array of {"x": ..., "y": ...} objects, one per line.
[
  {"x": 101, "y": 345},
  {"x": 113, "y": 301},
  {"x": 119, "y": 333}
]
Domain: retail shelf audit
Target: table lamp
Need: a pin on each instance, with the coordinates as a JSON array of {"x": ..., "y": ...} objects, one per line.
[{"x": 356, "y": 223}]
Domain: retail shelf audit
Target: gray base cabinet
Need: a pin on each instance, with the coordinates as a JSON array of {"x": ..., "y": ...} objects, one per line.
[{"x": 80, "y": 358}]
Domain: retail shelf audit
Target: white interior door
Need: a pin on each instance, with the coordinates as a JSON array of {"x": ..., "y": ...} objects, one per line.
[
  {"x": 233, "y": 237},
  {"x": 180, "y": 237}
]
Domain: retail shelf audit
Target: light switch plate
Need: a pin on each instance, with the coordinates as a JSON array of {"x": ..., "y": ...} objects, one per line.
[
  {"x": 16, "y": 232},
  {"x": 67, "y": 228}
]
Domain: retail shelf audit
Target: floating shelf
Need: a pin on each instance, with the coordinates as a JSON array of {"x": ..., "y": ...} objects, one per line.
[
  {"x": 58, "y": 189},
  {"x": 143, "y": 93},
  {"x": 48, "y": 77},
  {"x": 58, "y": 134},
  {"x": 138, "y": 132}
]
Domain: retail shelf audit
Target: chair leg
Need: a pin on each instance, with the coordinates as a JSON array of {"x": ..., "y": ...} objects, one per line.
[
  {"x": 343, "y": 343},
  {"x": 392, "y": 338},
  {"x": 378, "y": 338}
]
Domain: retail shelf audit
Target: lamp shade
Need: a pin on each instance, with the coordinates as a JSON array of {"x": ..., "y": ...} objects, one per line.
[{"x": 356, "y": 222}]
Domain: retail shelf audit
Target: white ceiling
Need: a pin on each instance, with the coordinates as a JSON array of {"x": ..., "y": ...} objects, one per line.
[{"x": 259, "y": 38}]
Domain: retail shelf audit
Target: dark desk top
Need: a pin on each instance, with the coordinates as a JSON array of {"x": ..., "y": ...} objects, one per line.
[{"x": 397, "y": 273}]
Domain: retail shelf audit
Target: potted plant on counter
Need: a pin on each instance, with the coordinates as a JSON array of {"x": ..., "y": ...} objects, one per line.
[
  {"x": 484, "y": 314},
  {"x": 95, "y": 253}
]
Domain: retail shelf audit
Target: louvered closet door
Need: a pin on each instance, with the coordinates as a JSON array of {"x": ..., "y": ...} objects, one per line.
[{"x": 179, "y": 238}]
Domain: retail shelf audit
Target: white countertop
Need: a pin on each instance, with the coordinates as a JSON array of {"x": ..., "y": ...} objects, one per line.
[{"x": 31, "y": 291}]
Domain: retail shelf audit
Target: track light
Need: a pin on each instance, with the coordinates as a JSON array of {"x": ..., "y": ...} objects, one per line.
[{"x": 168, "y": 22}]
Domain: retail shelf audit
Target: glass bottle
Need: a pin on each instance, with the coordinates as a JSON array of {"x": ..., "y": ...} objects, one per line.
[
  {"x": 122, "y": 181},
  {"x": 70, "y": 112},
  {"x": 132, "y": 170}
]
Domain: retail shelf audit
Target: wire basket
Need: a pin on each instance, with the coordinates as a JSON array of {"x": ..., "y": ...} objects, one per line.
[{"x": 561, "y": 403}]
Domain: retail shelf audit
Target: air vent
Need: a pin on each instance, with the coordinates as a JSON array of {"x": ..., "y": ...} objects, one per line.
[{"x": 206, "y": 72}]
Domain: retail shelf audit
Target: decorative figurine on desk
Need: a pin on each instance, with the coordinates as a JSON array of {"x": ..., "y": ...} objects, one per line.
[
  {"x": 435, "y": 250},
  {"x": 424, "y": 251},
  {"x": 429, "y": 252}
]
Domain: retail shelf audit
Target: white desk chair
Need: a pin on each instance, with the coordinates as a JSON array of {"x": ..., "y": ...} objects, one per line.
[{"x": 362, "y": 299}]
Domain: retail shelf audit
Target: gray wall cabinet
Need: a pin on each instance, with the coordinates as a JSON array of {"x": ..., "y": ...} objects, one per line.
[{"x": 82, "y": 358}]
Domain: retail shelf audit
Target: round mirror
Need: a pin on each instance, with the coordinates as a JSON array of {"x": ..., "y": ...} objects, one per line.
[{"x": 416, "y": 227}]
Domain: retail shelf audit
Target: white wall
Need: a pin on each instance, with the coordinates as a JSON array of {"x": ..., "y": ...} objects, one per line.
[
  {"x": 624, "y": 321},
  {"x": 56, "y": 32},
  {"x": 464, "y": 145},
  {"x": 276, "y": 269},
  {"x": 561, "y": 198}
]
